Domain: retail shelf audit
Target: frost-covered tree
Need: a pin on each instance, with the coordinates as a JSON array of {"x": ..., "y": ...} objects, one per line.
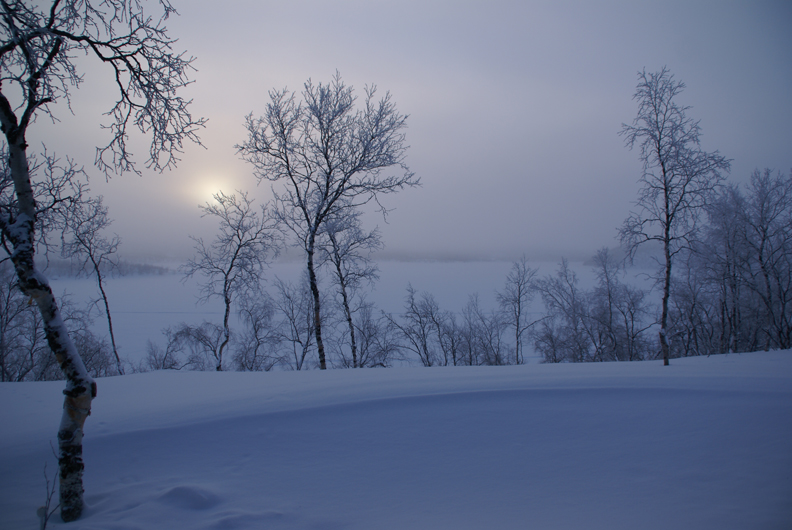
[
  {"x": 348, "y": 250},
  {"x": 678, "y": 178},
  {"x": 94, "y": 254},
  {"x": 766, "y": 223},
  {"x": 167, "y": 359},
  {"x": 39, "y": 44},
  {"x": 294, "y": 303},
  {"x": 418, "y": 326},
  {"x": 514, "y": 302},
  {"x": 330, "y": 157},
  {"x": 565, "y": 333},
  {"x": 722, "y": 258},
  {"x": 734, "y": 293},
  {"x": 233, "y": 263},
  {"x": 377, "y": 338},
  {"x": 24, "y": 353},
  {"x": 256, "y": 348},
  {"x": 618, "y": 312},
  {"x": 483, "y": 332},
  {"x": 606, "y": 323}
]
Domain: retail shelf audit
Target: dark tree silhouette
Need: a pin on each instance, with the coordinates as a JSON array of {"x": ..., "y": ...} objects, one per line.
[{"x": 678, "y": 178}]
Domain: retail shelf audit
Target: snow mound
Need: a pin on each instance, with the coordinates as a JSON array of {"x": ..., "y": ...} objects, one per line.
[{"x": 189, "y": 498}]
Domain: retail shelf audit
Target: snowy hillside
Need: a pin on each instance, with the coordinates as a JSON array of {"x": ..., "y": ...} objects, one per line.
[{"x": 705, "y": 443}]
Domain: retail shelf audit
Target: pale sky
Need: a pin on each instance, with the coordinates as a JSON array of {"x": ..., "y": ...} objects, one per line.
[{"x": 514, "y": 111}]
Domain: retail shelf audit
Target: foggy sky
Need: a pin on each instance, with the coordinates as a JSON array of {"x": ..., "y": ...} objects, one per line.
[{"x": 514, "y": 111}]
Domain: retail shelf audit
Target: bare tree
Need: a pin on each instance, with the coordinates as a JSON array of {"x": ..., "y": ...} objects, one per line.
[
  {"x": 618, "y": 312},
  {"x": 296, "y": 327},
  {"x": 159, "y": 359},
  {"x": 605, "y": 301},
  {"x": 484, "y": 334},
  {"x": 723, "y": 258},
  {"x": 418, "y": 326},
  {"x": 565, "y": 333},
  {"x": 515, "y": 300},
  {"x": 255, "y": 348},
  {"x": 22, "y": 346},
  {"x": 735, "y": 292},
  {"x": 767, "y": 234},
  {"x": 449, "y": 337},
  {"x": 695, "y": 310},
  {"x": 24, "y": 354},
  {"x": 678, "y": 178},
  {"x": 348, "y": 251},
  {"x": 379, "y": 344},
  {"x": 234, "y": 262},
  {"x": 203, "y": 344},
  {"x": 94, "y": 254},
  {"x": 330, "y": 157},
  {"x": 59, "y": 186},
  {"x": 38, "y": 47},
  {"x": 187, "y": 347}
]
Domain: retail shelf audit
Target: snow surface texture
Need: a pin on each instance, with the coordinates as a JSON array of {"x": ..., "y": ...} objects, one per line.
[{"x": 704, "y": 443}]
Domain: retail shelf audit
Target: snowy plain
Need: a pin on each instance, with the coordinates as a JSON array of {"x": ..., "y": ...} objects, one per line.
[{"x": 705, "y": 443}]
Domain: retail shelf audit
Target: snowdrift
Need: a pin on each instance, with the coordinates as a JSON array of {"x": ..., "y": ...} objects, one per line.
[{"x": 704, "y": 443}]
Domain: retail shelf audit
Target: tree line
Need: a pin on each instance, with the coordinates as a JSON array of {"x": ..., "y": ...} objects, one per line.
[
  {"x": 722, "y": 258},
  {"x": 731, "y": 291}
]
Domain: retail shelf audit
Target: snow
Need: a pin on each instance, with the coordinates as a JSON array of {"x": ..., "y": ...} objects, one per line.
[{"x": 704, "y": 443}]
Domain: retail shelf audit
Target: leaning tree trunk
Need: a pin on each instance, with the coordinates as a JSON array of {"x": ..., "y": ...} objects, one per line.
[{"x": 19, "y": 229}]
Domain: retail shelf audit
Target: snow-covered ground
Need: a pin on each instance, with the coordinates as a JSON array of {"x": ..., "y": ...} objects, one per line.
[{"x": 703, "y": 444}]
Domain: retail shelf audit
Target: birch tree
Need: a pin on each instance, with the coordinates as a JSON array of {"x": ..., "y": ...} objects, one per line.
[
  {"x": 93, "y": 252},
  {"x": 348, "y": 251},
  {"x": 515, "y": 300},
  {"x": 330, "y": 157},
  {"x": 256, "y": 349},
  {"x": 767, "y": 232},
  {"x": 678, "y": 178},
  {"x": 723, "y": 257},
  {"x": 38, "y": 46},
  {"x": 234, "y": 262},
  {"x": 565, "y": 331},
  {"x": 418, "y": 326},
  {"x": 378, "y": 341},
  {"x": 296, "y": 328},
  {"x": 618, "y": 312}
]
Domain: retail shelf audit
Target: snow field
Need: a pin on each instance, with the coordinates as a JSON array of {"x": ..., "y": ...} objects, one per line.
[{"x": 704, "y": 443}]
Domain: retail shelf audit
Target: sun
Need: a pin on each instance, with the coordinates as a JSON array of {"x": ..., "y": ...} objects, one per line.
[{"x": 204, "y": 188}]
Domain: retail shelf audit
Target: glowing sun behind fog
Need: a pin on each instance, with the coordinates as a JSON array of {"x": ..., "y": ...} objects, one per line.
[{"x": 204, "y": 187}]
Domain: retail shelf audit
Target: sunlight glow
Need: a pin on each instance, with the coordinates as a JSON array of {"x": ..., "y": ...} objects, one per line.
[{"x": 206, "y": 186}]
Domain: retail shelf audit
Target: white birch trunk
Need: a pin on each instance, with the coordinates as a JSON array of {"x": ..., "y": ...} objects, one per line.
[{"x": 80, "y": 389}]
